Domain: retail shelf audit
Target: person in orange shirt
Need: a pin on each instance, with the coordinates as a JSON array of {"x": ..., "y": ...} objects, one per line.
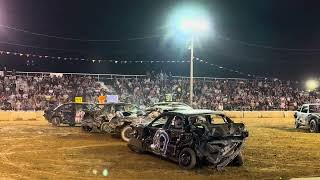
[{"x": 102, "y": 99}]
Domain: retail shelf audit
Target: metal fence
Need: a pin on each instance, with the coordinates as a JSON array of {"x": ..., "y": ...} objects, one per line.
[
  {"x": 96, "y": 76},
  {"x": 112, "y": 76}
]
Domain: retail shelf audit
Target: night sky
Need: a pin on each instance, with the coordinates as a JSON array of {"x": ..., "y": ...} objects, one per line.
[{"x": 269, "y": 38}]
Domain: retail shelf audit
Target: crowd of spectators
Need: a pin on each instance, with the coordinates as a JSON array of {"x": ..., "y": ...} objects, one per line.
[{"x": 37, "y": 92}]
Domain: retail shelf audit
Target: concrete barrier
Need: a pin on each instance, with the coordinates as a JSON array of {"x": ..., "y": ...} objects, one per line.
[
  {"x": 5, "y": 115},
  {"x": 23, "y": 116},
  {"x": 38, "y": 115},
  {"x": 234, "y": 114},
  {"x": 251, "y": 114},
  {"x": 19, "y": 115},
  {"x": 272, "y": 114},
  {"x": 289, "y": 114}
]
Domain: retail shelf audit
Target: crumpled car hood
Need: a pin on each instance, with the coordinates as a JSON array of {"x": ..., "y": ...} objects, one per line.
[{"x": 227, "y": 130}]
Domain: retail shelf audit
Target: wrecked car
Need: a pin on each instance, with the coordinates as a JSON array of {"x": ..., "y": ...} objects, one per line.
[
  {"x": 112, "y": 118},
  {"x": 167, "y": 106},
  {"x": 192, "y": 137},
  {"x": 69, "y": 113},
  {"x": 308, "y": 115}
]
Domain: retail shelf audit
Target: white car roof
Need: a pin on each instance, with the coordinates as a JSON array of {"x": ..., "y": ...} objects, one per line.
[{"x": 317, "y": 104}]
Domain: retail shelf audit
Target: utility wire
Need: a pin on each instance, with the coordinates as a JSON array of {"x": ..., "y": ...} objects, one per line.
[
  {"x": 156, "y": 36},
  {"x": 37, "y": 47},
  {"x": 265, "y": 46},
  {"x": 78, "y": 39}
]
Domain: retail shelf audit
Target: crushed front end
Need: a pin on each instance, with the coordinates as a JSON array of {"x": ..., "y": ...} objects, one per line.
[{"x": 220, "y": 145}]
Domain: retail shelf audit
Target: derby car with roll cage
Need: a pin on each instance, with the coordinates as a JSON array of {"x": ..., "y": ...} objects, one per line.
[
  {"x": 192, "y": 137},
  {"x": 112, "y": 118},
  {"x": 68, "y": 113},
  {"x": 168, "y": 106},
  {"x": 308, "y": 115}
]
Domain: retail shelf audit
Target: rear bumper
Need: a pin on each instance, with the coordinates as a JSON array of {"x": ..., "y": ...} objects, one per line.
[{"x": 136, "y": 143}]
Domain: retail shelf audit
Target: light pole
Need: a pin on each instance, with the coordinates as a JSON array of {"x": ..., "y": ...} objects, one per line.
[
  {"x": 191, "y": 70},
  {"x": 193, "y": 22},
  {"x": 193, "y": 26}
]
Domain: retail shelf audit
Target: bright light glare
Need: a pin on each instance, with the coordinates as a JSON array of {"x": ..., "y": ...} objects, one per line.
[
  {"x": 194, "y": 25},
  {"x": 190, "y": 19},
  {"x": 312, "y": 85}
]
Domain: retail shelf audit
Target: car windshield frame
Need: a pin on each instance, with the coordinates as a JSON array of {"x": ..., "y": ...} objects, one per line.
[
  {"x": 225, "y": 119},
  {"x": 169, "y": 117}
]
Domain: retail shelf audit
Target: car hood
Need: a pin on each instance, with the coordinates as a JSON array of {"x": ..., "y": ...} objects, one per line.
[{"x": 226, "y": 131}]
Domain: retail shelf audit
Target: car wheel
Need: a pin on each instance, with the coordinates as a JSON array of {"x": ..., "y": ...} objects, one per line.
[
  {"x": 126, "y": 133},
  {"x": 56, "y": 121},
  {"x": 314, "y": 126},
  {"x": 296, "y": 124},
  {"x": 237, "y": 161},
  {"x": 105, "y": 127},
  {"x": 86, "y": 128},
  {"x": 187, "y": 158}
]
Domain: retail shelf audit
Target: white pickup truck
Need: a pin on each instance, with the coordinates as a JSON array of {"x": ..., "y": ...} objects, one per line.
[{"x": 308, "y": 115}]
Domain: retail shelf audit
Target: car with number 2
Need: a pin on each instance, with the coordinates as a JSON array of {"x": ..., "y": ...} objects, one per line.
[{"x": 192, "y": 138}]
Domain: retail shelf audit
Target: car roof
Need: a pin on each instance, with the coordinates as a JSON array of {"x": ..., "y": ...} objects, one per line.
[
  {"x": 120, "y": 103},
  {"x": 318, "y": 104},
  {"x": 191, "y": 112},
  {"x": 169, "y": 102}
]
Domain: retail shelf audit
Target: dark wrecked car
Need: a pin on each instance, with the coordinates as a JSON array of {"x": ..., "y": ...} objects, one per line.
[
  {"x": 69, "y": 113},
  {"x": 192, "y": 137},
  {"x": 113, "y": 118},
  {"x": 168, "y": 106}
]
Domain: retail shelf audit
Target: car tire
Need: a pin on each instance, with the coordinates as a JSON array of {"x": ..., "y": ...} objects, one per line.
[
  {"x": 105, "y": 128},
  {"x": 56, "y": 121},
  {"x": 296, "y": 124},
  {"x": 187, "y": 158},
  {"x": 237, "y": 161},
  {"x": 135, "y": 149},
  {"x": 313, "y": 126},
  {"x": 125, "y": 133},
  {"x": 86, "y": 123},
  {"x": 86, "y": 128}
]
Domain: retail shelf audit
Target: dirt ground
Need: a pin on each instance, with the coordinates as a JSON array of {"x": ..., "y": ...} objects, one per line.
[{"x": 36, "y": 150}]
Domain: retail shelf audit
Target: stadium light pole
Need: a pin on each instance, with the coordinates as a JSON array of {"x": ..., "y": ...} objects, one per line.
[
  {"x": 193, "y": 26},
  {"x": 191, "y": 70}
]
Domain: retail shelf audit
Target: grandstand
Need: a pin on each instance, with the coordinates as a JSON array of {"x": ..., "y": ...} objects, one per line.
[{"x": 38, "y": 90}]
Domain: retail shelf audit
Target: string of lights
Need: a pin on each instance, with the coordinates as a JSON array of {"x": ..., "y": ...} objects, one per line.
[
  {"x": 118, "y": 61},
  {"x": 231, "y": 70},
  {"x": 92, "y": 60}
]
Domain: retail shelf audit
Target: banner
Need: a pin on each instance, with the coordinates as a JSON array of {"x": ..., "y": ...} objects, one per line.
[
  {"x": 56, "y": 75},
  {"x": 78, "y": 99},
  {"x": 112, "y": 98},
  {"x": 168, "y": 97}
]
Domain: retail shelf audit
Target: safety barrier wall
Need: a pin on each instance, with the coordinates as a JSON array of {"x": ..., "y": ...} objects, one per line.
[
  {"x": 38, "y": 115},
  {"x": 260, "y": 114}
]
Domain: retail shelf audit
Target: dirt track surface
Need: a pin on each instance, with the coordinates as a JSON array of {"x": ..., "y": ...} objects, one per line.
[{"x": 36, "y": 150}]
